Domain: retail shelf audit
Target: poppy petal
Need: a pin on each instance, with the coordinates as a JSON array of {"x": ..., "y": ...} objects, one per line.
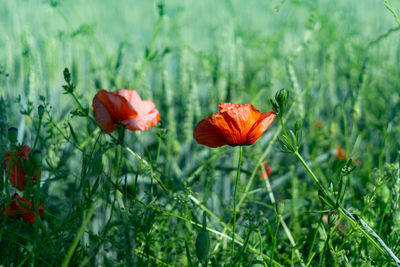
[
  {"x": 141, "y": 107},
  {"x": 142, "y": 123},
  {"x": 118, "y": 107},
  {"x": 241, "y": 119},
  {"x": 207, "y": 133},
  {"x": 17, "y": 175},
  {"x": 102, "y": 116},
  {"x": 260, "y": 126},
  {"x": 20, "y": 207}
]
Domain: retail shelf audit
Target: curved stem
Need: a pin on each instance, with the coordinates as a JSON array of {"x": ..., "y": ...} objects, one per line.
[
  {"x": 358, "y": 223},
  {"x": 234, "y": 201}
]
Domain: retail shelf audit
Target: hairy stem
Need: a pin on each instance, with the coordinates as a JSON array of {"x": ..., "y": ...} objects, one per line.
[{"x": 234, "y": 201}]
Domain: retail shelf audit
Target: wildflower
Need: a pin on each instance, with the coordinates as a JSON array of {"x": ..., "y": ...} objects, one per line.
[
  {"x": 125, "y": 107},
  {"x": 340, "y": 153},
  {"x": 21, "y": 208},
  {"x": 233, "y": 125},
  {"x": 268, "y": 171},
  {"x": 19, "y": 176},
  {"x": 318, "y": 124}
]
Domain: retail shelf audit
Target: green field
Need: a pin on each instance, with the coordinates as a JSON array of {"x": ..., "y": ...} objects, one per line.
[{"x": 143, "y": 198}]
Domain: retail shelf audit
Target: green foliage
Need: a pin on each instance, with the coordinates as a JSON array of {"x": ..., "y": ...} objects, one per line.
[{"x": 136, "y": 198}]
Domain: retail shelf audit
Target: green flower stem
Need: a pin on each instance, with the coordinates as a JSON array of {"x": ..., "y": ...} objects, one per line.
[
  {"x": 120, "y": 147},
  {"x": 283, "y": 127},
  {"x": 313, "y": 176},
  {"x": 235, "y": 199},
  {"x": 281, "y": 220},
  {"x": 78, "y": 236},
  {"x": 239, "y": 241},
  {"x": 358, "y": 223}
]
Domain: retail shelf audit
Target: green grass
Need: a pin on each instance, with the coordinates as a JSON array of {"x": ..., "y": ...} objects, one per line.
[{"x": 340, "y": 62}]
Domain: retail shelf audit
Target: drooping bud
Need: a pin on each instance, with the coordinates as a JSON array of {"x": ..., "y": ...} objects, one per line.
[{"x": 13, "y": 135}]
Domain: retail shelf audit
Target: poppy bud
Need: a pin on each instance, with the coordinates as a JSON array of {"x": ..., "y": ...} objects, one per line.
[
  {"x": 203, "y": 241},
  {"x": 13, "y": 134},
  {"x": 67, "y": 75},
  {"x": 202, "y": 245},
  {"x": 280, "y": 207},
  {"x": 36, "y": 157},
  {"x": 281, "y": 98},
  {"x": 40, "y": 111},
  {"x": 161, "y": 9}
]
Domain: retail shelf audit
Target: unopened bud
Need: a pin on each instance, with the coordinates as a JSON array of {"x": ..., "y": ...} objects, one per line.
[
  {"x": 281, "y": 98},
  {"x": 36, "y": 157},
  {"x": 67, "y": 75},
  {"x": 280, "y": 207},
  {"x": 13, "y": 134},
  {"x": 41, "y": 111}
]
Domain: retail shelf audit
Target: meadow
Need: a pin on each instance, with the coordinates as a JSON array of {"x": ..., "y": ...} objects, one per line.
[{"x": 320, "y": 187}]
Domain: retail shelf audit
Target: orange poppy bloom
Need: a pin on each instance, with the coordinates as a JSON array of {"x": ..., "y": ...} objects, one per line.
[
  {"x": 21, "y": 208},
  {"x": 340, "y": 153},
  {"x": 125, "y": 107},
  {"x": 268, "y": 171},
  {"x": 18, "y": 176},
  {"x": 233, "y": 124}
]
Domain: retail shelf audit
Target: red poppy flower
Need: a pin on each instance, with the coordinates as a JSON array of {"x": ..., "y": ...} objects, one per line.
[
  {"x": 18, "y": 176},
  {"x": 340, "y": 153},
  {"x": 268, "y": 171},
  {"x": 125, "y": 107},
  {"x": 233, "y": 125},
  {"x": 21, "y": 208}
]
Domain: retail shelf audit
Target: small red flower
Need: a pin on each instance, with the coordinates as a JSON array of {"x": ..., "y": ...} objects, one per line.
[
  {"x": 21, "y": 208},
  {"x": 268, "y": 171},
  {"x": 233, "y": 124},
  {"x": 340, "y": 153},
  {"x": 318, "y": 124},
  {"x": 18, "y": 172},
  {"x": 125, "y": 107}
]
